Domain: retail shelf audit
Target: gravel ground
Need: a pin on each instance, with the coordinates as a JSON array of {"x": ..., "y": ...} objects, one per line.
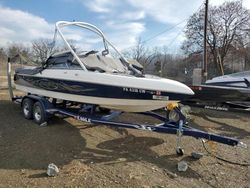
[{"x": 100, "y": 156}]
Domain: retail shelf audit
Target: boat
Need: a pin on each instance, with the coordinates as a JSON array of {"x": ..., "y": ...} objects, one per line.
[
  {"x": 231, "y": 87},
  {"x": 215, "y": 93},
  {"x": 97, "y": 77},
  {"x": 235, "y": 80},
  {"x": 227, "y": 93},
  {"x": 238, "y": 82}
]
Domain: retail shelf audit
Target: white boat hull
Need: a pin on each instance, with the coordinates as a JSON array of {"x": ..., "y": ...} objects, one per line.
[
  {"x": 113, "y": 91},
  {"x": 126, "y": 105}
]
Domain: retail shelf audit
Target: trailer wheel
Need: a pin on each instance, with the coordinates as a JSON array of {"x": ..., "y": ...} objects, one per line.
[
  {"x": 39, "y": 113},
  {"x": 179, "y": 151},
  {"x": 104, "y": 110},
  {"x": 27, "y": 106}
]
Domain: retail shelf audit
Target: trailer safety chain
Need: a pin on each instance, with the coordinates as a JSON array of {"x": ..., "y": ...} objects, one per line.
[{"x": 220, "y": 158}]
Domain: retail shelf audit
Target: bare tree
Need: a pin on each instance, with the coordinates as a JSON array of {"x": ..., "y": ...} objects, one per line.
[
  {"x": 2, "y": 54},
  {"x": 41, "y": 49},
  {"x": 141, "y": 54},
  {"x": 17, "y": 49},
  {"x": 150, "y": 58},
  {"x": 139, "y": 51},
  {"x": 226, "y": 28}
]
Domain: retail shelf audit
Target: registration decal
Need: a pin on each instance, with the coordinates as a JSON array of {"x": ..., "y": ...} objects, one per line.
[
  {"x": 160, "y": 97},
  {"x": 134, "y": 90}
]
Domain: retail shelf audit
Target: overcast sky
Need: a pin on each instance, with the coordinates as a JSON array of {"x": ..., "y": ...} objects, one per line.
[{"x": 122, "y": 21}]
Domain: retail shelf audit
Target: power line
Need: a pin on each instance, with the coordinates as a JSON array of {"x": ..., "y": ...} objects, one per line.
[
  {"x": 158, "y": 34},
  {"x": 178, "y": 34},
  {"x": 164, "y": 31},
  {"x": 169, "y": 29}
]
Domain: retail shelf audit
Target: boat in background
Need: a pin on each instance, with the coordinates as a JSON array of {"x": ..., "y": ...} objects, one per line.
[
  {"x": 235, "y": 80},
  {"x": 228, "y": 93},
  {"x": 95, "y": 77},
  {"x": 219, "y": 93},
  {"x": 231, "y": 87}
]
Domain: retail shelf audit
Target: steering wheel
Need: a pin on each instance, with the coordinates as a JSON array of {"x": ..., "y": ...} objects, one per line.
[{"x": 90, "y": 52}]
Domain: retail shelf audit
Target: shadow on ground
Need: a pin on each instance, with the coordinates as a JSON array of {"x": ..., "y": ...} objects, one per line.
[
  {"x": 140, "y": 149},
  {"x": 224, "y": 128},
  {"x": 23, "y": 145}
]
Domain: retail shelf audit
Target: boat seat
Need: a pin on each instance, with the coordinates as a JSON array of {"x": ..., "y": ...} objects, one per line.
[
  {"x": 93, "y": 62},
  {"x": 135, "y": 64},
  {"x": 115, "y": 64}
]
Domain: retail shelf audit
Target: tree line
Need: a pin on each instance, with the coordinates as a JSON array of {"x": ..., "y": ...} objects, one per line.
[{"x": 228, "y": 43}]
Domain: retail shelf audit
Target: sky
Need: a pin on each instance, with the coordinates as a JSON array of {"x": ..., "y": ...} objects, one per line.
[{"x": 123, "y": 22}]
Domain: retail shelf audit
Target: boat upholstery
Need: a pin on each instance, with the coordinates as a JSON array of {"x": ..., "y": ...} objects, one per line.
[
  {"x": 105, "y": 64},
  {"x": 113, "y": 63}
]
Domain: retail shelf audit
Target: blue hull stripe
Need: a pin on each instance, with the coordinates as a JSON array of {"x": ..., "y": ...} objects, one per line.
[{"x": 92, "y": 89}]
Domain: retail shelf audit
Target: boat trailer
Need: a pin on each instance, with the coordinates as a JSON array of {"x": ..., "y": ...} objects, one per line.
[
  {"x": 41, "y": 109},
  {"x": 44, "y": 108}
]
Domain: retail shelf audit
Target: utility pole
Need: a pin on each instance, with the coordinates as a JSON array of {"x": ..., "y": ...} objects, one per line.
[{"x": 204, "y": 67}]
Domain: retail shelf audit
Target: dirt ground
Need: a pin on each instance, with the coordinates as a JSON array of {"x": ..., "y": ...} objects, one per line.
[{"x": 100, "y": 156}]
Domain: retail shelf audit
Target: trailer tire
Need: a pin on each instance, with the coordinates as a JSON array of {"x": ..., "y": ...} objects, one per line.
[
  {"x": 27, "y": 107},
  {"x": 179, "y": 151},
  {"x": 104, "y": 110},
  {"x": 39, "y": 113}
]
